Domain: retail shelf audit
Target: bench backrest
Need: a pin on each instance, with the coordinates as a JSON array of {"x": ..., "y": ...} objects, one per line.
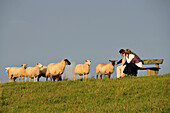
[{"x": 153, "y": 61}]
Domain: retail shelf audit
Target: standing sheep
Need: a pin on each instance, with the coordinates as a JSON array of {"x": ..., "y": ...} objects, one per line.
[
  {"x": 17, "y": 72},
  {"x": 43, "y": 71},
  {"x": 33, "y": 72},
  {"x": 55, "y": 70},
  {"x": 82, "y": 69},
  {"x": 105, "y": 69}
]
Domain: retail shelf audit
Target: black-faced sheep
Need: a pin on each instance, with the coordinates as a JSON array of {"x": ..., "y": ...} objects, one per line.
[
  {"x": 82, "y": 69},
  {"x": 55, "y": 70},
  {"x": 105, "y": 69}
]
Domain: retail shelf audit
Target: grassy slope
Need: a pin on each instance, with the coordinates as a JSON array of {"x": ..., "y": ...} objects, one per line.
[{"x": 129, "y": 94}]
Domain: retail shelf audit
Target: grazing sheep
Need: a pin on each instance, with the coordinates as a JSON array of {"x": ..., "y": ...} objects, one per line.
[
  {"x": 43, "y": 71},
  {"x": 82, "y": 69},
  {"x": 7, "y": 71},
  {"x": 105, "y": 69},
  {"x": 17, "y": 72},
  {"x": 33, "y": 72},
  {"x": 55, "y": 70}
]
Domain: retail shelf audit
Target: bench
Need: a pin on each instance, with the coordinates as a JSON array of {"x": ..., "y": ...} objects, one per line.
[{"x": 152, "y": 70}]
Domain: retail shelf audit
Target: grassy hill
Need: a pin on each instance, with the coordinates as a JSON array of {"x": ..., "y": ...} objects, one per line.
[{"x": 129, "y": 94}]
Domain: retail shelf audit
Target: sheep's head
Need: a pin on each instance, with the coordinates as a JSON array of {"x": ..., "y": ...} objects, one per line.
[
  {"x": 113, "y": 62},
  {"x": 67, "y": 62},
  {"x": 24, "y": 66},
  {"x": 39, "y": 65},
  {"x": 88, "y": 62}
]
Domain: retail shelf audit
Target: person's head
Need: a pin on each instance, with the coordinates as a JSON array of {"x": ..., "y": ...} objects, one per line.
[
  {"x": 127, "y": 51},
  {"x": 122, "y": 51}
]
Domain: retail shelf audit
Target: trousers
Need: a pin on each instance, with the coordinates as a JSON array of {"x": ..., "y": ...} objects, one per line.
[
  {"x": 120, "y": 70},
  {"x": 131, "y": 69}
]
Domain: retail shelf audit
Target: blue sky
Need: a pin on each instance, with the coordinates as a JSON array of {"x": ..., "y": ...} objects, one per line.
[{"x": 33, "y": 31}]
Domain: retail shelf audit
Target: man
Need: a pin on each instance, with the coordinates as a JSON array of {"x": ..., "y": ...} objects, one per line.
[{"x": 121, "y": 68}]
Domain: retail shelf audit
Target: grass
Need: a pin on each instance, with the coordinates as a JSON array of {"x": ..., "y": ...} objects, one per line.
[{"x": 129, "y": 94}]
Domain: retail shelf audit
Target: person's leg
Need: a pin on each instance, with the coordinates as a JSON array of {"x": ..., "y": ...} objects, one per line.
[
  {"x": 125, "y": 70},
  {"x": 122, "y": 69},
  {"x": 119, "y": 71}
]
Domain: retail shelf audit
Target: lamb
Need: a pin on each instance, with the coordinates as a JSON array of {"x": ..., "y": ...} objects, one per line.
[
  {"x": 43, "y": 71},
  {"x": 17, "y": 72},
  {"x": 55, "y": 70},
  {"x": 82, "y": 69},
  {"x": 33, "y": 72},
  {"x": 105, "y": 69}
]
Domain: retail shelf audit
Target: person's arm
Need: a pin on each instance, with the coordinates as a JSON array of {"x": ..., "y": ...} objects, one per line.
[
  {"x": 131, "y": 56},
  {"x": 120, "y": 61}
]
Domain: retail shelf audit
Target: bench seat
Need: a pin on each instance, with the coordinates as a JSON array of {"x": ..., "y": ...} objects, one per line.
[{"x": 151, "y": 68}]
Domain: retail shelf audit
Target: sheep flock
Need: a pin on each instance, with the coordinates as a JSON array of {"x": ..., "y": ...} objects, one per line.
[{"x": 54, "y": 71}]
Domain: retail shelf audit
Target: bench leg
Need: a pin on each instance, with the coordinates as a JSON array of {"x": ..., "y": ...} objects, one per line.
[{"x": 152, "y": 72}]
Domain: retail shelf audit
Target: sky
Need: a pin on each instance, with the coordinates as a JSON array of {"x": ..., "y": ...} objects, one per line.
[{"x": 48, "y": 31}]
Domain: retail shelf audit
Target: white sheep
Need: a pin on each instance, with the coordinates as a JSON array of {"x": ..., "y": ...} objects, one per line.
[
  {"x": 105, "y": 69},
  {"x": 82, "y": 69},
  {"x": 43, "y": 71},
  {"x": 7, "y": 71},
  {"x": 55, "y": 70},
  {"x": 17, "y": 72},
  {"x": 33, "y": 72}
]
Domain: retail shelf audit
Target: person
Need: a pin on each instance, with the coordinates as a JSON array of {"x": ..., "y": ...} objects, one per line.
[
  {"x": 122, "y": 66},
  {"x": 133, "y": 63}
]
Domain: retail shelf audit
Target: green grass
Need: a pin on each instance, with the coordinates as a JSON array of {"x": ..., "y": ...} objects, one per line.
[{"x": 129, "y": 94}]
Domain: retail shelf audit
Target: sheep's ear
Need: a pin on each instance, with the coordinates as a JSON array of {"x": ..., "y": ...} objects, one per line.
[
  {"x": 85, "y": 60},
  {"x": 22, "y": 65},
  {"x": 37, "y": 63},
  {"x": 110, "y": 60}
]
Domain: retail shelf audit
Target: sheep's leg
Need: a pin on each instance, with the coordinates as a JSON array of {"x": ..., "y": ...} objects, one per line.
[
  {"x": 29, "y": 79},
  {"x": 25, "y": 78},
  {"x": 19, "y": 79},
  {"x": 100, "y": 76},
  {"x": 109, "y": 76},
  {"x": 74, "y": 76},
  {"x": 22, "y": 79},
  {"x": 83, "y": 76},
  {"x": 46, "y": 78},
  {"x": 97, "y": 76},
  {"x": 86, "y": 76},
  {"x": 38, "y": 78},
  {"x": 60, "y": 78},
  {"x": 54, "y": 78},
  {"x": 14, "y": 78},
  {"x": 34, "y": 79},
  {"x": 79, "y": 77},
  {"x": 10, "y": 80},
  {"x": 51, "y": 78}
]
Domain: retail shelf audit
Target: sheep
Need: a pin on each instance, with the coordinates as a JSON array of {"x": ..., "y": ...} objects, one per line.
[
  {"x": 105, "y": 69},
  {"x": 7, "y": 71},
  {"x": 82, "y": 69},
  {"x": 17, "y": 72},
  {"x": 43, "y": 71},
  {"x": 33, "y": 72},
  {"x": 55, "y": 70}
]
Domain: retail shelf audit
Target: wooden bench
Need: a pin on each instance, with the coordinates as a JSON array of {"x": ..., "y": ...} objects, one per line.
[{"x": 152, "y": 70}]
